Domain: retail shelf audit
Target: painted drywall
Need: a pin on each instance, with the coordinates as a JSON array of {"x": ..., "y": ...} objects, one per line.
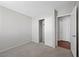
[
  {"x": 15, "y": 28},
  {"x": 64, "y": 28},
  {"x": 49, "y": 28}
]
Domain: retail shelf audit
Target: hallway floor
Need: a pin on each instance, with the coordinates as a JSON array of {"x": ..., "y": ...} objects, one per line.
[{"x": 32, "y": 49}]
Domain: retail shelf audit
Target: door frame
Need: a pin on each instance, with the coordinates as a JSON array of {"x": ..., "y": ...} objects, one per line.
[
  {"x": 58, "y": 27},
  {"x": 76, "y": 29}
]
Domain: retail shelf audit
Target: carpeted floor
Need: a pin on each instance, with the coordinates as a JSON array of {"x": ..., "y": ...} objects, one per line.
[{"x": 32, "y": 49}]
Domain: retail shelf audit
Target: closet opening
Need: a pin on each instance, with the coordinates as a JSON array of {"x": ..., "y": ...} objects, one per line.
[
  {"x": 41, "y": 31},
  {"x": 64, "y": 32}
]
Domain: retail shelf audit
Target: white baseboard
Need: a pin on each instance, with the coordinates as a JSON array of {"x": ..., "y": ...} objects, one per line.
[{"x": 3, "y": 50}]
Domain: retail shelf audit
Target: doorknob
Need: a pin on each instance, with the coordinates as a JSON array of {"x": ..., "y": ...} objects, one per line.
[{"x": 73, "y": 35}]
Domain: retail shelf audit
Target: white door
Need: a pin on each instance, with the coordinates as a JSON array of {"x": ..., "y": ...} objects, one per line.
[{"x": 73, "y": 31}]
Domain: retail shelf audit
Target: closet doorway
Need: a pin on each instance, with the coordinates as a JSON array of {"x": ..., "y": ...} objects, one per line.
[
  {"x": 64, "y": 31},
  {"x": 41, "y": 31}
]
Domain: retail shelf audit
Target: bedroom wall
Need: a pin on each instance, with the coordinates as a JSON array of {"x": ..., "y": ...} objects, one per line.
[{"x": 15, "y": 29}]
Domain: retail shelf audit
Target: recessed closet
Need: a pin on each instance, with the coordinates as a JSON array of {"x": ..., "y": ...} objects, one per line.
[{"x": 64, "y": 31}]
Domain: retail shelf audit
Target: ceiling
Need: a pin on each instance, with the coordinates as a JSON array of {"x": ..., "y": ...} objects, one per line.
[{"x": 37, "y": 8}]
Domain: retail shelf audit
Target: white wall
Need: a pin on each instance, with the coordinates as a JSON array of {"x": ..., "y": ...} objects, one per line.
[
  {"x": 64, "y": 28},
  {"x": 15, "y": 28},
  {"x": 49, "y": 28}
]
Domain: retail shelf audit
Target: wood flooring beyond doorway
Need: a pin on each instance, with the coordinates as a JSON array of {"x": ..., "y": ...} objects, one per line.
[{"x": 64, "y": 44}]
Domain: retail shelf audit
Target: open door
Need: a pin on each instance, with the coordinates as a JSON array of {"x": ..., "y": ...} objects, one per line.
[
  {"x": 41, "y": 31},
  {"x": 73, "y": 30}
]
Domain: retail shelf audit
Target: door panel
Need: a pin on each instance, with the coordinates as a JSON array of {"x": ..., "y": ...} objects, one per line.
[{"x": 73, "y": 31}]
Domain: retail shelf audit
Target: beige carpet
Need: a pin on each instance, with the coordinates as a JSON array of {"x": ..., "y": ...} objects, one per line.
[{"x": 32, "y": 49}]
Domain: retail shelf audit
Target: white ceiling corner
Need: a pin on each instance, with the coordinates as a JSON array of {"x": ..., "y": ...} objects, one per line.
[{"x": 36, "y": 8}]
